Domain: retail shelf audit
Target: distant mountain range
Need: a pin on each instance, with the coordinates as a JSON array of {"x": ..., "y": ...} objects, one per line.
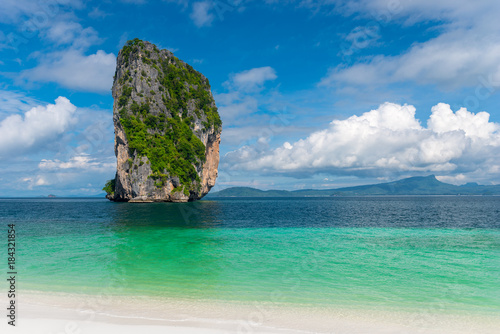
[{"x": 419, "y": 185}]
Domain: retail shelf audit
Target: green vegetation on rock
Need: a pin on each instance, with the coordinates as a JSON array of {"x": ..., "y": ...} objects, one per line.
[
  {"x": 179, "y": 79},
  {"x": 109, "y": 188},
  {"x": 166, "y": 137},
  {"x": 172, "y": 147}
]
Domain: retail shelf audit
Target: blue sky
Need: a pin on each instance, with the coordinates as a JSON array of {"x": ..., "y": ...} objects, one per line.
[{"x": 312, "y": 94}]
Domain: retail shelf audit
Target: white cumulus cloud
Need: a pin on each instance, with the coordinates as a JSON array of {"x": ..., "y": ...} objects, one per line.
[
  {"x": 73, "y": 69},
  {"x": 20, "y": 133},
  {"x": 385, "y": 140}
]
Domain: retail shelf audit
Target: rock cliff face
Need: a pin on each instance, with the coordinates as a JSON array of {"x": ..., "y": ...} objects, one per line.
[{"x": 167, "y": 129}]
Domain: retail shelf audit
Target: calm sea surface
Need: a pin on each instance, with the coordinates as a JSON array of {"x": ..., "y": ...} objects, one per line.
[{"x": 436, "y": 253}]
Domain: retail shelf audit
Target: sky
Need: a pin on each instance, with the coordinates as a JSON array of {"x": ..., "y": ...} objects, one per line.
[{"x": 312, "y": 94}]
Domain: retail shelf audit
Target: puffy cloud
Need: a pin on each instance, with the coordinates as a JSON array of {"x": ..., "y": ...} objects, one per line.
[
  {"x": 73, "y": 69},
  {"x": 81, "y": 171},
  {"x": 41, "y": 181},
  {"x": 442, "y": 61},
  {"x": 55, "y": 148},
  {"x": 83, "y": 162},
  {"x": 39, "y": 125},
  {"x": 54, "y": 21},
  {"x": 459, "y": 12},
  {"x": 385, "y": 140},
  {"x": 35, "y": 181},
  {"x": 463, "y": 54},
  {"x": 254, "y": 78},
  {"x": 201, "y": 15},
  {"x": 455, "y": 179},
  {"x": 39, "y": 12},
  {"x": 69, "y": 32},
  {"x": 443, "y": 120}
]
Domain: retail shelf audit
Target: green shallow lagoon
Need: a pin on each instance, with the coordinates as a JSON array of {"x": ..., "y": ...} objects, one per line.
[{"x": 439, "y": 254}]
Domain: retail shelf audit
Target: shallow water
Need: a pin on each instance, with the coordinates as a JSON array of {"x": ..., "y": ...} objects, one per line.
[{"x": 440, "y": 254}]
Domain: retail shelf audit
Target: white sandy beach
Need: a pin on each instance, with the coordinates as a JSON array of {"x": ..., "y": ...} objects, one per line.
[{"x": 41, "y": 313}]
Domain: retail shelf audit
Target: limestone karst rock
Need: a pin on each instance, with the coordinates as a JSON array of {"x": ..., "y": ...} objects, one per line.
[{"x": 167, "y": 128}]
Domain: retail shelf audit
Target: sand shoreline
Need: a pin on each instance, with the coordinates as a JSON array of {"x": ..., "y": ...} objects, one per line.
[{"x": 41, "y": 312}]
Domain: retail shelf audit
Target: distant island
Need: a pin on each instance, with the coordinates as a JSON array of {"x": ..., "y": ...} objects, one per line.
[{"x": 419, "y": 185}]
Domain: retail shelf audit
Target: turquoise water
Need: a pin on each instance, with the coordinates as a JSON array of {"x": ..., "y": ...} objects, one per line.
[{"x": 436, "y": 253}]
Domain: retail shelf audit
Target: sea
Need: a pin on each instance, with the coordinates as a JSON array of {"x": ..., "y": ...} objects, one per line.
[{"x": 431, "y": 253}]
